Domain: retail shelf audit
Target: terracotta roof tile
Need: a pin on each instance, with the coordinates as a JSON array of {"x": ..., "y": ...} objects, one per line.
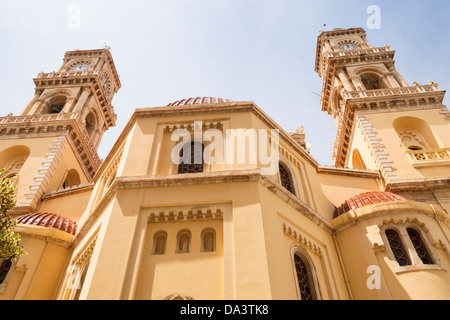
[
  {"x": 49, "y": 220},
  {"x": 199, "y": 100},
  {"x": 366, "y": 198}
]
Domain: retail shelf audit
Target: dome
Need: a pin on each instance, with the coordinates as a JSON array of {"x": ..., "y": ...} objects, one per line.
[
  {"x": 365, "y": 199},
  {"x": 50, "y": 220},
  {"x": 199, "y": 100}
]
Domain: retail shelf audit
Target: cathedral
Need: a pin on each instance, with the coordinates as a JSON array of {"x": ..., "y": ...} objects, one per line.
[{"x": 169, "y": 215}]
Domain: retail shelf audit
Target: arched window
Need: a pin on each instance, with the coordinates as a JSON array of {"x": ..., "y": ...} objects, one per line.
[
  {"x": 91, "y": 124},
  {"x": 72, "y": 179},
  {"x": 193, "y": 161},
  {"x": 159, "y": 242},
  {"x": 419, "y": 246},
  {"x": 306, "y": 285},
  {"x": 395, "y": 242},
  {"x": 183, "y": 241},
  {"x": 208, "y": 240},
  {"x": 12, "y": 160},
  {"x": 372, "y": 81},
  {"x": 285, "y": 178},
  {"x": 56, "y": 104},
  {"x": 415, "y": 133}
]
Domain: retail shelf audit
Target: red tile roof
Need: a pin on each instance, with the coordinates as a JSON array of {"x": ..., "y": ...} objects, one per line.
[
  {"x": 199, "y": 100},
  {"x": 49, "y": 220},
  {"x": 366, "y": 198}
]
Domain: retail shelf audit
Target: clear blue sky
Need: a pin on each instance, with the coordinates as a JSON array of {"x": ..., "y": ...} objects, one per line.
[{"x": 245, "y": 50}]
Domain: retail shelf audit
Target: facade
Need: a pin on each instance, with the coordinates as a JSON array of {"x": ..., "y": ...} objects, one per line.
[{"x": 139, "y": 225}]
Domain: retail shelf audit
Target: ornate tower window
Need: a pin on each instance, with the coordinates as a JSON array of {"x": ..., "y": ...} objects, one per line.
[
  {"x": 397, "y": 248},
  {"x": 193, "y": 162},
  {"x": 56, "y": 104},
  {"x": 372, "y": 81},
  {"x": 91, "y": 124}
]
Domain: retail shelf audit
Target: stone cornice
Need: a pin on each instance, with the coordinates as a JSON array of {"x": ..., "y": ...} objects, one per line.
[
  {"x": 68, "y": 191},
  {"x": 418, "y": 93},
  {"x": 234, "y": 176},
  {"x": 51, "y": 125},
  {"x": 418, "y": 185},
  {"x": 349, "y": 172},
  {"x": 189, "y": 110}
]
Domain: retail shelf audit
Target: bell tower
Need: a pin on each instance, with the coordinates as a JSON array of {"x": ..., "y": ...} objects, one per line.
[
  {"x": 59, "y": 131},
  {"x": 383, "y": 122},
  {"x": 83, "y": 86}
]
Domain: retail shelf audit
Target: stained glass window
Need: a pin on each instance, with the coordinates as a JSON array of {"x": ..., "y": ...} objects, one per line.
[
  {"x": 418, "y": 244},
  {"x": 285, "y": 179},
  {"x": 194, "y": 162},
  {"x": 397, "y": 248},
  {"x": 303, "y": 279}
]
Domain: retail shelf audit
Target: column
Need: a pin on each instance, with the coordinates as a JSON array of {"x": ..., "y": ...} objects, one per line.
[
  {"x": 31, "y": 104},
  {"x": 356, "y": 80},
  {"x": 82, "y": 99},
  {"x": 342, "y": 75},
  {"x": 70, "y": 102},
  {"x": 398, "y": 76},
  {"x": 393, "y": 82}
]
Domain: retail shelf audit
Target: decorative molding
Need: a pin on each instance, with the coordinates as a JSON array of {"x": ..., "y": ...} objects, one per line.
[
  {"x": 178, "y": 296},
  {"x": 439, "y": 245},
  {"x": 378, "y": 248},
  {"x": 301, "y": 239},
  {"x": 377, "y": 149},
  {"x": 189, "y": 126},
  {"x": 404, "y": 221},
  {"x": 49, "y": 164},
  {"x": 85, "y": 253},
  {"x": 429, "y": 157},
  {"x": 348, "y": 172},
  {"x": 68, "y": 190},
  {"x": 177, "y": 215}
]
